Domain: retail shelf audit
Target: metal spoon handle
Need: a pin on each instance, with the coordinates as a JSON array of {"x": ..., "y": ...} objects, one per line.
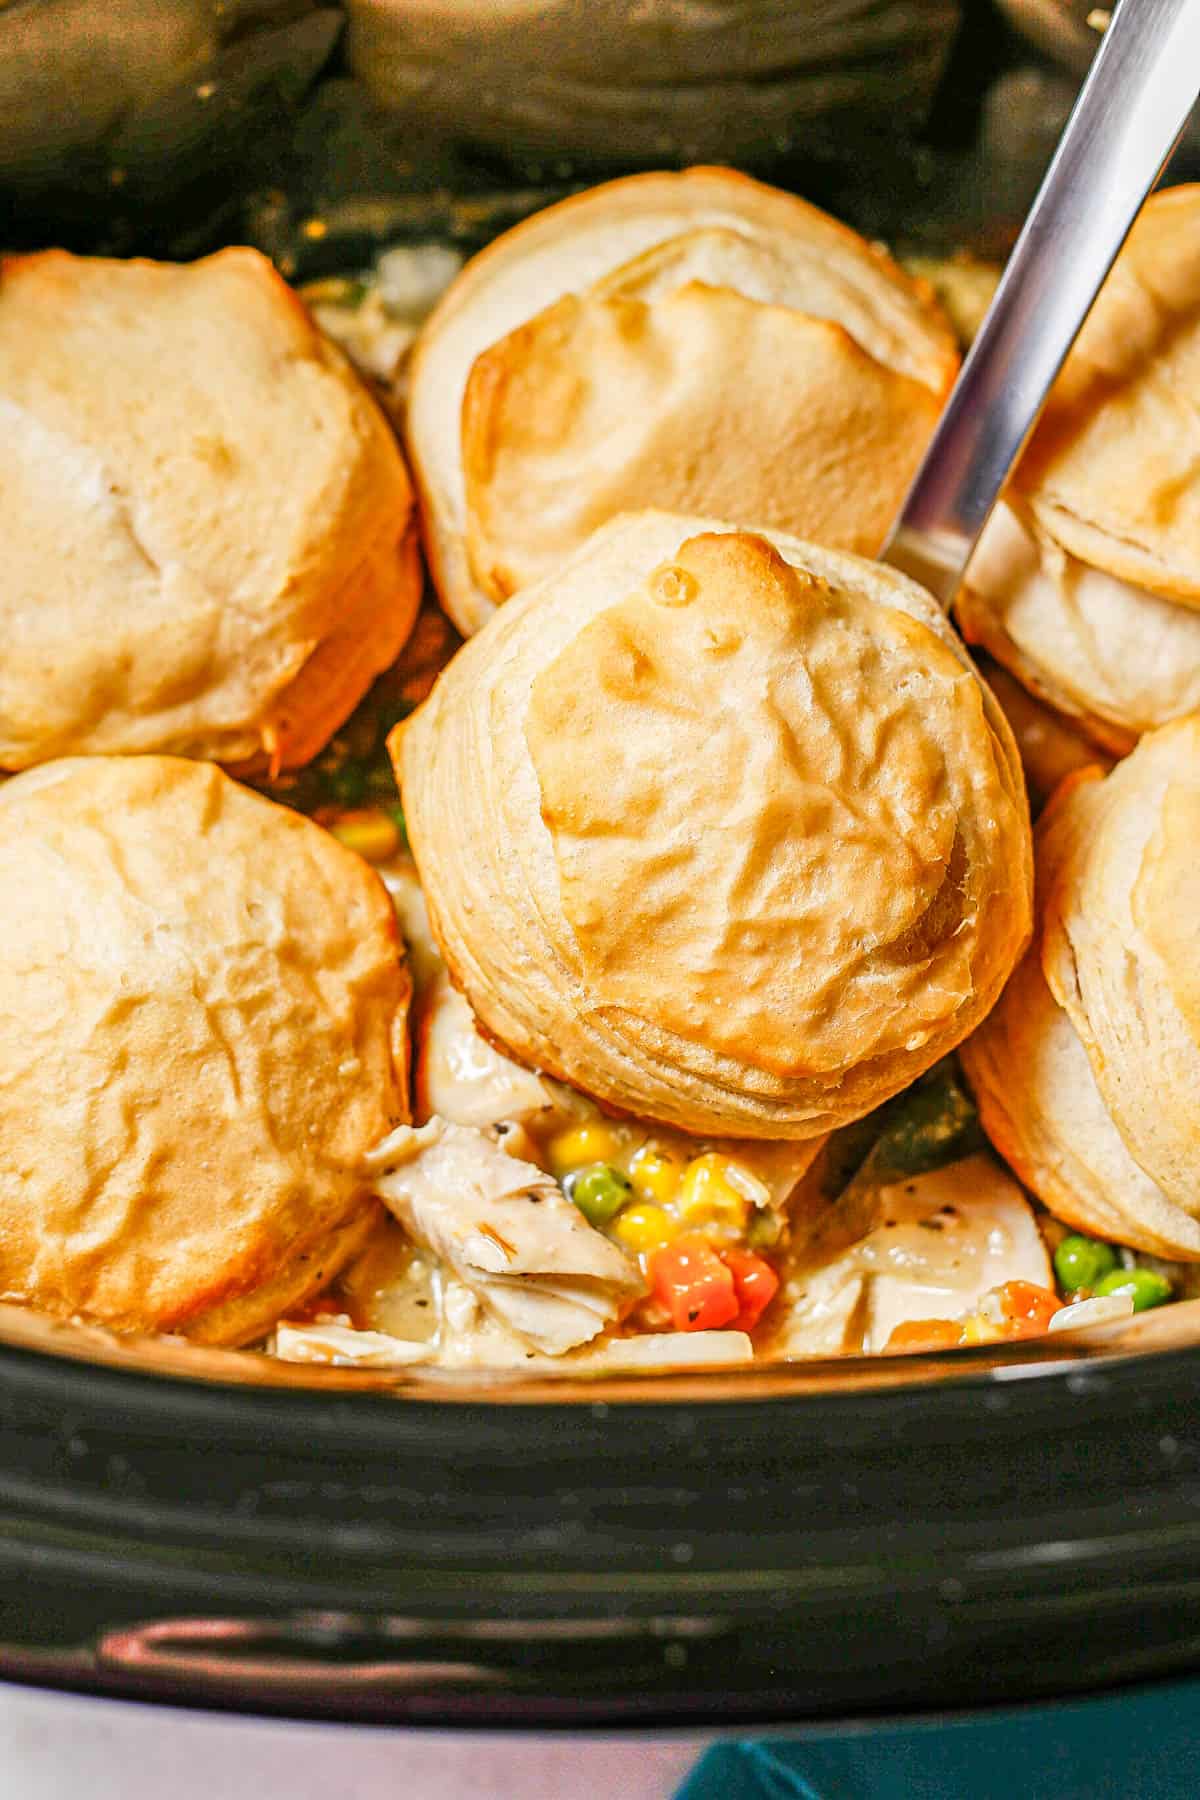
[{"x": 1142, "y": 85}]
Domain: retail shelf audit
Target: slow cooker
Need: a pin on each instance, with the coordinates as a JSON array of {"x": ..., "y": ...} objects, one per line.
[
  {"x": 832, "y": 1541},
  {"x": 847, "y": 1541}
]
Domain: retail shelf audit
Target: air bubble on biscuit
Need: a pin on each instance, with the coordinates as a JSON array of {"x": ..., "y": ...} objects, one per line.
[{"x": 672, "y": 586}]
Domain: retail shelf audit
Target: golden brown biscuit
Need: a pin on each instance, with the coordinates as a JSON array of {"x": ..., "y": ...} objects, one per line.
[
  {"x": 202, "y": 1033},
  {"x": 1087, "y": 1073},
  {"x": 207, "y": 523},
  {"x": 1086, "y": 583},
  {"x": 1052, "y": 746},
  {"x": 725, "y": 832},
  {"x": 697, "y": 342}
]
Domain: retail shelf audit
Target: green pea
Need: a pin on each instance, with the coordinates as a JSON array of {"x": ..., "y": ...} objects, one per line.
[
  {"x": 599, "y": 1191},
  {"x": 1081, "y": 1262},
  {"x": 1145, "y": 1288}
]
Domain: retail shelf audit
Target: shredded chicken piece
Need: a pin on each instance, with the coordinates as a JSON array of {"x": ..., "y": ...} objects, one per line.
[
  {"x": 462, "y": 1078},
  {"x": 473, "y": 1338},
  {"x": 664, "y": 1350},
  {"x": 504, "y": 1228},
  {"x": 345, "y": 1347},
  {"x": 476, "y": 1339},
  {"x": 930, "y": 1246},
  {"x": 825, "y": 1314},
  {"x": 400, "y": 878}
]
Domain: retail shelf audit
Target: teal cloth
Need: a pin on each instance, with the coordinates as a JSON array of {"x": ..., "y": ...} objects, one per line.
[{"x": 1141, "y": 1745}]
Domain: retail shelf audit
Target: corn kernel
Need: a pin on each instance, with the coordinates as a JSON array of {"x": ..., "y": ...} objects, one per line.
[
  {"x": 655, "y": 1177},
  {"x": 371, "y": 832},
  {"x": 708, "y": 1197},
  {"x": 583, "y": 1144},
  {"x": 644, "y": 1227}
]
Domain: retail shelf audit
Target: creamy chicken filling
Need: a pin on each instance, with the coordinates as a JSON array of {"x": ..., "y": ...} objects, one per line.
[{"x": 527, "y": 1230}]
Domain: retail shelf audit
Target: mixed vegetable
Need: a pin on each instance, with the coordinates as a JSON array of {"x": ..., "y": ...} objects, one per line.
[
  {"x": 690, "y": 1223},
  {"x": 1093, "y": 1285}
]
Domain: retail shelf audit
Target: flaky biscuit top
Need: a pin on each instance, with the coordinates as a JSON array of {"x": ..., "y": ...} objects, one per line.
[
  {"x": 208, "y": 525},
  {"x": 1041, "y": 1085},
  {"x": 1086, "y": 582},
  {"x": 698, "y": 342},
  {"x": 203, "y": 1000},
  {"x": 721, "y": 828},
  {"x": 1121, "y": 953}
]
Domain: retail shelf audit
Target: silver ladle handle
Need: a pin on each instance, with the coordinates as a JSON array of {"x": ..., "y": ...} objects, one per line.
[{"x": 1135, "y": 102}]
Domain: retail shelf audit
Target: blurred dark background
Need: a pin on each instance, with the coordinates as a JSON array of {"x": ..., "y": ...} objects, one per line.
[{"x": 321, "y": 132}]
